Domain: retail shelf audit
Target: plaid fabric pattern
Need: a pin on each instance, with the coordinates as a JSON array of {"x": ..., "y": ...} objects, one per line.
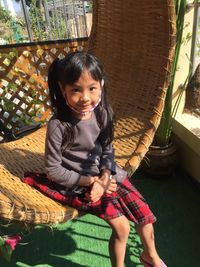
[{"x": 125, "y": 201}]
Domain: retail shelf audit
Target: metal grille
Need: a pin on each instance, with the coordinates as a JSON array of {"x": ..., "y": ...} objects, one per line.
[
  {"x": 72, "y": 13},
  {"x": 58, "y": 19}
]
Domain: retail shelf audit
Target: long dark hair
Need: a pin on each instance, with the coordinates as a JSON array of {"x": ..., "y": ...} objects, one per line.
[{"x": 68, "y": 71}]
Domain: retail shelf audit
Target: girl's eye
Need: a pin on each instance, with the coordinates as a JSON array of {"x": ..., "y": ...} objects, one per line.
[
  {"x": 75, "y": 90},
  {"x": 92, "y": 88}
]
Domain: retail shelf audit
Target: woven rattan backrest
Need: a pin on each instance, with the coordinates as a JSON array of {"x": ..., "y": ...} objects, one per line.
[{"x": 135, "y": 41}]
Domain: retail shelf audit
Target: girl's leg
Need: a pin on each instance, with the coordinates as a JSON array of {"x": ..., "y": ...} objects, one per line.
[
  {"x": 117, "y": 244},
  {"x": 146, "y": 234}
]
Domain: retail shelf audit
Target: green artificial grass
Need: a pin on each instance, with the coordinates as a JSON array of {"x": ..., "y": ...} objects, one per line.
[{"x": 83, "y": 242}]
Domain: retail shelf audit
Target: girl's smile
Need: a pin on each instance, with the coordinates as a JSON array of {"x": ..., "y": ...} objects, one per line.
[{"x": 84, "y": 95}]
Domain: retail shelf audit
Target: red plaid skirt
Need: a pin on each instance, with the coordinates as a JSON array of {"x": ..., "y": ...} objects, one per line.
[{"x": 125, "y": 201}]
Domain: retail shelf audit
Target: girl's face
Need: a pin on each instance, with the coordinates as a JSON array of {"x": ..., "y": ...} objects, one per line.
[{"x": 83, "y": 95}]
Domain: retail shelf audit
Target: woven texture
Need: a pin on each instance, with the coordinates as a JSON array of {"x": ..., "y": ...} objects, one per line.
[
  {"x": 18, "y": 200},
  {"x": 135, "y": 42}
]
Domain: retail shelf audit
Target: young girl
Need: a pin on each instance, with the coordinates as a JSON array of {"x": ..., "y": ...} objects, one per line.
[{"x": 79, "y": 157}]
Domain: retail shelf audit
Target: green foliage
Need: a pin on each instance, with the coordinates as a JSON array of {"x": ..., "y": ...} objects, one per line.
[
  {"x": 37, "y": 21},
  {"x": 89, "y": 7},
  {"x": 58, "y": 26},
  {"x": 59, "y": 30},
  {"x": 4, "y": 15},
  {"x": 6, "y": 252},
  {"x": 10, "y": 27},
  {"x": 163, "y": 133},
  {"x": 2, "y": 241},
  {"x": 39, "y": 25}
]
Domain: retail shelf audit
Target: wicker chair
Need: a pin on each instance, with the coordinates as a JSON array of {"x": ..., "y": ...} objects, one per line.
[{"x": 135, "y": 42}]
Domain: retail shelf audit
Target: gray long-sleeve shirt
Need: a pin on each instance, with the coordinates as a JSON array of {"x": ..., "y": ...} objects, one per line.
[{"x": 85, "y": 157}]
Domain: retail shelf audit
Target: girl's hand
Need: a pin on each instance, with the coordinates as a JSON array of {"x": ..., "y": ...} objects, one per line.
[
  {"x": 110, "y": 183},
  {"x": 87, "y": 180},
  {"x": 97, "y": 191},
  {"x": 112, "y": 186}
]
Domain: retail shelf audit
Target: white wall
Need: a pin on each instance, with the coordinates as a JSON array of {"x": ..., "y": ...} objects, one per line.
[{"x": 188, "y": 144}]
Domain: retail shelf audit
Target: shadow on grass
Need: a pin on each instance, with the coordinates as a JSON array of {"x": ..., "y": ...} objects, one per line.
[{"x": 44, "y": 246}]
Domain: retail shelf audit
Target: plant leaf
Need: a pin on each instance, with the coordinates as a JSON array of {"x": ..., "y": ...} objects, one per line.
[
  {"x": 6, "y": 252},
  {"x": 2, "y": 241}
]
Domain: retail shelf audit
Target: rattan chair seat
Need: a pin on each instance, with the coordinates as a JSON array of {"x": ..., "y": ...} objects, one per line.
[
  {"x": 18, "y": 200},
  {"x": 135, "y": 42}
]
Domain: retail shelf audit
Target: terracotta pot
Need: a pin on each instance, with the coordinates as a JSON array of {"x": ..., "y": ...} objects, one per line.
[{"x": 160, "y": 161}]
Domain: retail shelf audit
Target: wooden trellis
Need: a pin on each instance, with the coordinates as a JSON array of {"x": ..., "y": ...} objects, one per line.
[{"x": 23, "y": 80}]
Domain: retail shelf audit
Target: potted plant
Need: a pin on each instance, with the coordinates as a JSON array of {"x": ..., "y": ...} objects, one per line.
[{"x": 161, "y": 158}]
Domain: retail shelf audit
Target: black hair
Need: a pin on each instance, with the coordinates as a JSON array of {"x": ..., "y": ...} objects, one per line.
[{"x": 67, "y": 71}]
